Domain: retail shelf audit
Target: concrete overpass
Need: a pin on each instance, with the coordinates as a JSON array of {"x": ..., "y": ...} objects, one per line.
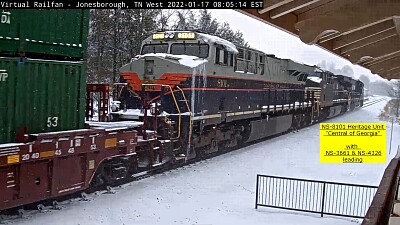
[{"x": 366, "y": 32}]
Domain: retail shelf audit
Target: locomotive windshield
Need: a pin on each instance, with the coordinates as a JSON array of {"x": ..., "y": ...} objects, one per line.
[
  {"x": 155, "y": 48},
  {"x": 192, "y": 49},
  {"x": 199, "y": 50},
  {"x": 315, "y": 74}
]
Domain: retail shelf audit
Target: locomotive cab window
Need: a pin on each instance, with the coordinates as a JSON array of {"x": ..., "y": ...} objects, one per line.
[
  {"x": 226, "y": 58},
  {"x": 239, "y": 61},
  {"x": 248, "y": 55},
  {"x": 219, "y": 56},
  {"x": 223, "y": 57},
  {"x": 155, "y": 48},
  {"x": 315, "y": 74},
  {"x": 251, "y": 62},
  {"x": 199, "y": 50},
  {"x": 302, "y": 77},
  {"x": 231, "y": 56},
  {"x": 262, "y": 65}
]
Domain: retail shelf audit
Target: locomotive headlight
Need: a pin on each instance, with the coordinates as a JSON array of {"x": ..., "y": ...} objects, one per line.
[{"x": 169, "y": 35}]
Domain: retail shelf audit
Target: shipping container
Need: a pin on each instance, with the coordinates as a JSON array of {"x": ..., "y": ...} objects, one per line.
[
  {"x": 40, "y": 95},
  {"x": 44, "y": 32}
]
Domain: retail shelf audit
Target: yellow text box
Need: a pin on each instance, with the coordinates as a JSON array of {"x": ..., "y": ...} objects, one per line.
[{"x": 352, "y": 142}]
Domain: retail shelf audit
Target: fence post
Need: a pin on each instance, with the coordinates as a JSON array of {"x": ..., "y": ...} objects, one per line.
[
  {"x": 257, "y": 191},
  {"x": 323, "y": 200}
]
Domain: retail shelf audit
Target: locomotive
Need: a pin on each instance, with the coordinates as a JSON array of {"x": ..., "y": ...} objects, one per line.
[{"x": 212, "y": 94}]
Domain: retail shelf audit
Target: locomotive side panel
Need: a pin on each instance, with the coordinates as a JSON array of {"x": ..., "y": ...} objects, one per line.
[{"x": 216, "y": 83}]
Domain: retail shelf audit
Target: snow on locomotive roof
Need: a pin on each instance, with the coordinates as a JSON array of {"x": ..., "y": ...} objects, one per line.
[
  {"x": 186, "y": 60},
  {"x": 315, "y": 79},
  {"x": 211, "y": 38},
  {"x": 318, "y": 69}
]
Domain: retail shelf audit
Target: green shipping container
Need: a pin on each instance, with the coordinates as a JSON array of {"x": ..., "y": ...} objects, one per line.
[
  {"x": 36, "y": 32},
  {"x": 41, "y": 95}
]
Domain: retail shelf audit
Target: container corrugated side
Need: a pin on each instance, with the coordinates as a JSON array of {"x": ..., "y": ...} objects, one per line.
[
  {"x": 41, "y": 95},
  {"x": 49, "y": 32}
]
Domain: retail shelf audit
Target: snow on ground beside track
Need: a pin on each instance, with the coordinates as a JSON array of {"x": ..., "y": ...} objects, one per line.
[{"x": 221, "y": 190}]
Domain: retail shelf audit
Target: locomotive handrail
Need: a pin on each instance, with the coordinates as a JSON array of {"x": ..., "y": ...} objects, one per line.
[
  {"x": 176, "y": 105},
  {"x": 125, "y": 85},
  {"x": 190, "y": 116},
  {"x": 179, "y": 111}
]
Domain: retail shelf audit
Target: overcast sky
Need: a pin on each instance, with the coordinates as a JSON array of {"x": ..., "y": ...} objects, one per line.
[{"x": 284, "y": 45}]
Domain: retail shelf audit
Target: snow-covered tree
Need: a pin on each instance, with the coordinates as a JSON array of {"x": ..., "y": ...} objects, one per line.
[{"x": 206, "y": 23}]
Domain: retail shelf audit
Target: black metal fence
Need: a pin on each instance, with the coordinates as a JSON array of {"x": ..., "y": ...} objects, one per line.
[{"x": 314, "y": 196}]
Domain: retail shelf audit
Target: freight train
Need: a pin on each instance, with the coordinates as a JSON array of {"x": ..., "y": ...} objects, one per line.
[
  {"x": 218, "y": 95},
  {"x": 188, "y": 95}
]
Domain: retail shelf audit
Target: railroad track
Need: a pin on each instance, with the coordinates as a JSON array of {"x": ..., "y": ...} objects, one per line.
[
  {"x": 30, "y": 210},
  {"x": 373, "y": 102}
]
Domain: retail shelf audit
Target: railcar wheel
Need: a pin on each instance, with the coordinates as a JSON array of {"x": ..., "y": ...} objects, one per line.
[{"x": 111, "y": 171}]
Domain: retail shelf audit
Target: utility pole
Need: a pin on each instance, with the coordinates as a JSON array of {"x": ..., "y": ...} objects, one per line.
[{"x": 391, "y": 136}]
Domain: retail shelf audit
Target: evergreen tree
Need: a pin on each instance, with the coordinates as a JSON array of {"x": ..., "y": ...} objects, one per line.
[
  {"x": 206, "y": 23},
  {"x": 115, "y": 36},
  {"x": 210, "y": 25},
  {"x": 99, "y": 37},
  {"x": 185, "y": 20},
  {"x": 164, "y": 19}
]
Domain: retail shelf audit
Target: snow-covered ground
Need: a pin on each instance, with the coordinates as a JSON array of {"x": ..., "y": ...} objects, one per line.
[{"x": 221, "y": 190}]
